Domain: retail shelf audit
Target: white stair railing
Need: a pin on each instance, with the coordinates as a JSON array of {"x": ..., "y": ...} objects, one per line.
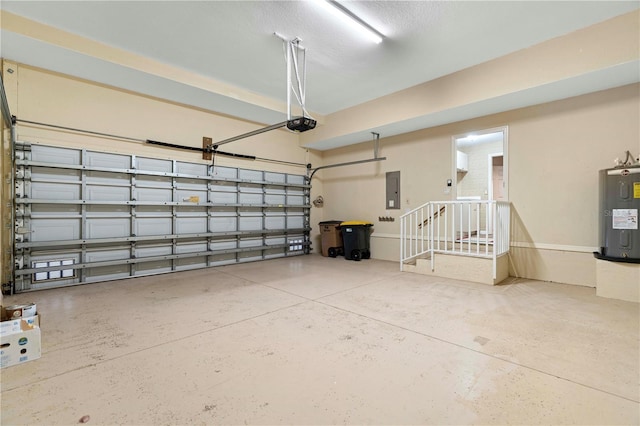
[{"x": 477, "y": 228}]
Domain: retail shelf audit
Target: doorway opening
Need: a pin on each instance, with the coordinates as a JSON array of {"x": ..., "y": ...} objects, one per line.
[
  {"x": 480, "y": 165},
  {"x": 480, "y": 170}
]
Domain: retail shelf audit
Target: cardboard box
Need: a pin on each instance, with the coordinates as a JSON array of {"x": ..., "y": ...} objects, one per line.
[
  {"x": 20, "y": 341},
  {"x": 330, "y": 236},
  {"x": 19, "y": 325}
]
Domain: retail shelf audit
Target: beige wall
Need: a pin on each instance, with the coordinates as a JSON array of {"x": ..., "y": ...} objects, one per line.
[{"x": 554, "y": 152}]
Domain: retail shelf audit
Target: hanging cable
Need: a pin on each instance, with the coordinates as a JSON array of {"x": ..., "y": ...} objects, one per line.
[
  {"x": 159, "y": 143},
  {"x": 296, "y": 60},
  {"x": 73, "y": 129}
]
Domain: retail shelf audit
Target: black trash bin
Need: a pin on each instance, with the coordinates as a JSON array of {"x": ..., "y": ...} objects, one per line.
[{"x": 355, "y": 238}]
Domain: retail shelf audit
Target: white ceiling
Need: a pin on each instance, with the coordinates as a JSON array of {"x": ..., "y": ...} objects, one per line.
[{"x": 233, "y": 42}]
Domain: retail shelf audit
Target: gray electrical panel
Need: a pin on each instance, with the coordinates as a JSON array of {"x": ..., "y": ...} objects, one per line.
[
  {"x": 619, "y": 207},
  {"x": 393, "y": 190}
]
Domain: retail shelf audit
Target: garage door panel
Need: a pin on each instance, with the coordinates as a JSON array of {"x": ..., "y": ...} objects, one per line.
[
  {"x": 295, "y": 200},
  {"x": 112, "y": 161},
  {"x": 275, "y": 222},
  {"x": 49, "y": 173},
  {"x": 225, "y": 172},
  {"x": 222, "y": 259},
  {"x": 153, "y": 226},
  {"x": 223, "y": 244},
  {"x": 54, "y": 229},
  {"x": 191, "y": 247},
  {"x": 55, "y": 191},
  {"x": 191, "y": 169},
  {"x": 108, "y": 227},
  {"x": 295, "y": 222},
  {"x": 108, "y": 210},
  {"x": 151, "y": 250},
  {"x": 224, "y": 197},
  {"x": 154, "y": 165},
  {"x": 275, "y": 177},
  {"x": 223, "y": 224},
  {"x": 249, "y": 198},
  {"x": 272, "y": 241},
  {"x": 104, "y": 273},
  {"x": 49, "y": 154},
  {"x": 143, "y": 211},
  {"x": 140, "y": 215},
  {"x": 250, "y": 242},
  {"x": 191, "y": 225},
  {"x": 255, "y": 175},
  {"x": 250, "y": 256},
  {"x": 274, "y": 253},
  {"x": 191, "y": 195},
  {"x": 154, "y": 267},
  {"x": 107, "y": 178},
  {"x": 153, "y": 181},
  {"x": 64, "y": 210},
  {"x": 154, "y": 194},
  {"x": 295, "y": 179},
  {"x": 108, "y": 253},
  {"x": 275, "y": 196},
  {"x": 191, "y": 263},
  {"x": 250, "y": 222},
  {"x": 108, "y": 193},
  {"x": 191, "y": 211}
]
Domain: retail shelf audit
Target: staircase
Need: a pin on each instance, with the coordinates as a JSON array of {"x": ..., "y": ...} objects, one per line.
[{"x": 466, "y": 240}]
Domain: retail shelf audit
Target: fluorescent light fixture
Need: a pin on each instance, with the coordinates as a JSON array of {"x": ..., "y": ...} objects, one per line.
[{"x": 353, "y": 21}]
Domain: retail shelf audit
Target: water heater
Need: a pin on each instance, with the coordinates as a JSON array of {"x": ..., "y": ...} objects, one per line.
[{"x": 619, "y": 207}]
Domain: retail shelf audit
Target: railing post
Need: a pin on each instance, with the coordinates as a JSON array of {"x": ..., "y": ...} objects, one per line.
[
  {"x": 446, "y": 229},
  {"x": 401, "y": 244},
  {"x": 422, "y": 230},
  {"x": 497, "y": 241},
  {"x": 431, "y": 237}
]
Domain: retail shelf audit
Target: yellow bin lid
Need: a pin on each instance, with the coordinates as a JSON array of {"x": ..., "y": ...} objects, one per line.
[{"x": 356, "y": 223}]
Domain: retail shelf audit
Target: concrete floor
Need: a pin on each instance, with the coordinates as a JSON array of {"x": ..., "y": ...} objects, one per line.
[{"x": 313, "y": 340}]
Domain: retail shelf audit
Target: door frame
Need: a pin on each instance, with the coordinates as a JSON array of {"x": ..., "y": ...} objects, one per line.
[
  {"x": 505, "y": 154},
  {"x": 490, "y": 171}
]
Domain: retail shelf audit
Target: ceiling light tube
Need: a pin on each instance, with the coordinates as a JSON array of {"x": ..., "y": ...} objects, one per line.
[{"x": 354, "y": 22}]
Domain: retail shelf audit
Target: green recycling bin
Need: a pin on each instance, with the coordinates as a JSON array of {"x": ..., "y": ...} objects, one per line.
[{"x": 355, "y": 239}]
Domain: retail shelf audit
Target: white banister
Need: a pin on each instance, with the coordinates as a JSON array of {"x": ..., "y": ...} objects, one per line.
[{"x": 477, "y": 228}]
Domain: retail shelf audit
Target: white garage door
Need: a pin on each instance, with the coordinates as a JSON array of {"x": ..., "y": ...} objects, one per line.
[{"x": 85, "y": 216}]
